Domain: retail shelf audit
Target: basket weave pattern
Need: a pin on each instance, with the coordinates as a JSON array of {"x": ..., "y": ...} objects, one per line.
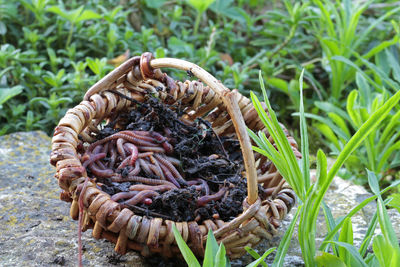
[{"x": 133, "y": 80}]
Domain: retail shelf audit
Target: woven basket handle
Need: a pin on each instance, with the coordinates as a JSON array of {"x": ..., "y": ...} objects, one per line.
[{"x": 147, "y": 66}]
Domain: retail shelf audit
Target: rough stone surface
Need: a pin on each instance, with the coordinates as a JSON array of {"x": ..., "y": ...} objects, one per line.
[
  {"x": 36, "y": 230},
  {"x": 35, "y": 227}
]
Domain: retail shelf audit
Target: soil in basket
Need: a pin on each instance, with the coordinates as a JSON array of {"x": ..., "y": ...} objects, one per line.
[{"x": 211, "y": 167}]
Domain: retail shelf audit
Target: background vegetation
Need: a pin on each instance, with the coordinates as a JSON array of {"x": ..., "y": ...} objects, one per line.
[{"x": 52, "y": 51}]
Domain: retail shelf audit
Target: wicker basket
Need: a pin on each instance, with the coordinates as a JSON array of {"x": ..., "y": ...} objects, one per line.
[{"x": 229, "y": 113}]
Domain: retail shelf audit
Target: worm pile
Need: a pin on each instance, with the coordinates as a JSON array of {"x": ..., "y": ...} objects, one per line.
[{"x": 154, "y": 162}]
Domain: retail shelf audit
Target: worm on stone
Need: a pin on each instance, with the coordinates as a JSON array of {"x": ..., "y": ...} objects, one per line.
[
  {"x": 120, "y": 147},
  {"x": 142, "y": 195},
  {"x": 139, "y": 179},
  {"x": 161, "y": 188},
  {"x": 124, "y": 195},
  {"x": 93, "y": 158},
  {"x": 202, "y": 201}
]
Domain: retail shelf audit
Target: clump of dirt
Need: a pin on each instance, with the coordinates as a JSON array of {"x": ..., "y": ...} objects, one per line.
[{"x": 211, "y": 166}]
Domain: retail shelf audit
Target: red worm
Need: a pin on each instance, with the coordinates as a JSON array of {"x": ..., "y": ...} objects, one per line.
[
  {"x": 157, "y": 164},
  {"x": 101, "y": 165},
  {"x": 161, "y": 188},
  {"x": 155, "y": 170},
  {"x": 123, "y": 163},
  {"x": 99, "y": 172},
  {"x": 124, "y": 136},
  {"x": 139, "y": 135},
  {"x": 169, "y": 176},
  {"x": 161, "y": 139},
  {"x": 174, "y": 161},
  {"x": 205, "y": 186},
  {"x": 168, "y": 164},
  {"x": 93, "y": 158},
  {"x": 142, "y": 195},
  {"x": 145, "y": 154},
  {"x": 145, "y": 167},
  {"x": 139, "y": 179},
  {"x": 97, "y": 149},
  {"x": 151, "y": 149},
  {"x": 120, "y": 147},
  {"x": 202, "y": 201},
  {"x": 136, "y": 170},
  {"x": 134, "y": 153},
  {"x": 124, "y": 195},
  {"x": 113, "y": 156},
  {"x": 105, "y": 148}
]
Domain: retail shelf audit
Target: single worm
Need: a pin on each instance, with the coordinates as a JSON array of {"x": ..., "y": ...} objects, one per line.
[
  {"x": 120, "y": 147},
  {"x": 174, "y": 161},
  {"x": 99, "y": 172},
  {"x": 205, "y": 186},
  {"x": 151, "y": 149},
  {"x": 161, "y": 188},
  {"x": 140, "y": 136},
  {"x": 156, "y": 170},
  {"x": 202, "y": 201},
  {"x": 157, "y": 164},
  {"x": 193, "y": 182},
  {"x": 101, "y": 165},
  {"x": 97, "y": 149},
  {"x": 145, "y": 167},
  {"x": 113, "y": 156},
  {"x": 124, "y": 163},
  {"x": 105, "y": 148},
  {"x": 140, "y": 197},
  {"x": 134, "y": 153},
  {"x": 136, "y": 170},
  {"x": 145, "y": 154},
  {"x": 123, "y": 195},
  {"x": 93, "y": 158},
  {"x": 139, "y": 179},
  {"x": 161, "y": 139},
  {"x": 169, "y": 176},
  {"x": 124, "y": 136}
]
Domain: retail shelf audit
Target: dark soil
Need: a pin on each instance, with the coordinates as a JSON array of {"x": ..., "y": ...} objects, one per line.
[{"x": 217, "y": 160}]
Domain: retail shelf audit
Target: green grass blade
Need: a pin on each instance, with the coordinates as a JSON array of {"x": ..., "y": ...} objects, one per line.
[
  {"x": 285, "y": 242},
  {"x": 355, "y": 256},
  {"x": 211, "y": 250},
  {"x": 304, "y": 138},
  {"x": 187, "y": 254},
  {"x": 220, "y": 257},
  {"x": 255, "y": 255}
]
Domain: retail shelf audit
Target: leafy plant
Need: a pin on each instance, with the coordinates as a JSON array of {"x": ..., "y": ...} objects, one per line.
[{"x": 297, "y": 175}]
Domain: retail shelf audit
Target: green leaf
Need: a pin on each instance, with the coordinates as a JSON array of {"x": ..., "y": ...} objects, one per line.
[
  {"x": 346, "y": 236},
  {"x": 8, "y": 93},
  {"x": 87, "y": 15},
  {"x": 330, "y": 222},
  {"x": 220, "y": 257},
  {"x": 305, "y": 161},
  {"x": 395, "y": 201},
  {"x": 354, "y": 255},
  {"x": 200, "y": 5},
  {"x": 261, "y": 259},
  {"x": 185, "y": 250},
  {"x": 328, "y": 260},
  {"x": 255, "y": 255},
  {"x": 211, "y": 250},
  {"x": 286, "y": 239},
  {"x": 281, "y": 84}
]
